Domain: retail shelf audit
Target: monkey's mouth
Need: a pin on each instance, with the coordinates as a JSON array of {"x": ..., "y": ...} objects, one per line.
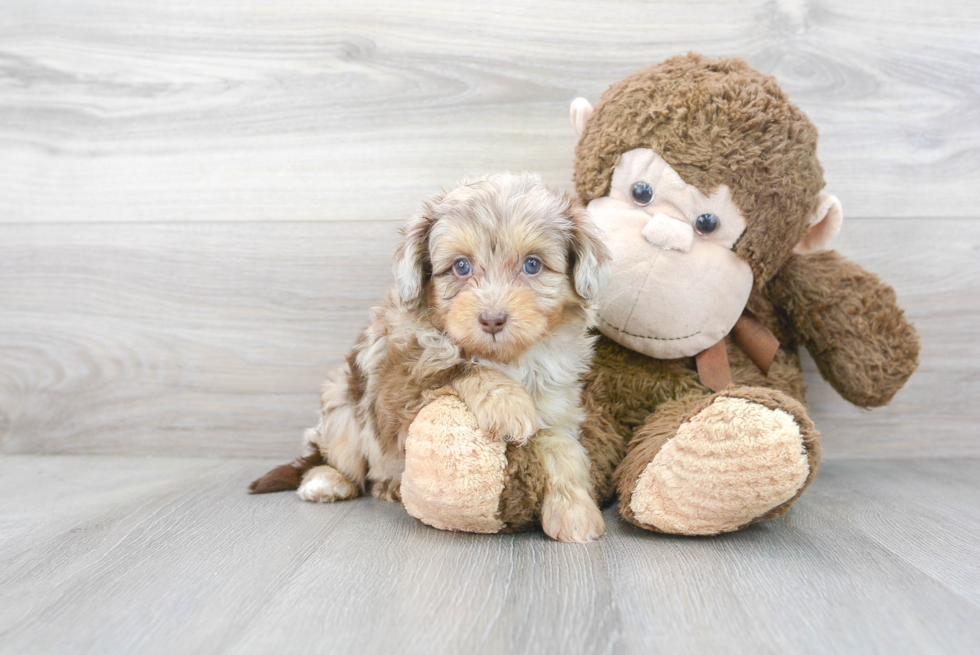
[{"x": 644, "y": 336}]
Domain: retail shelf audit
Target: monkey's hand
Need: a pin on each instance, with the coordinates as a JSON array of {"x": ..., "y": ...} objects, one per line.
[
  {"x": 502, "y": 406},
  {"x": 850, "y": 322}
]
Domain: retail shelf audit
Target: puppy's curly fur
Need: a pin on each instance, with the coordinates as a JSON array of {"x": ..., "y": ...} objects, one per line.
[{"x": 494, "y": 284}]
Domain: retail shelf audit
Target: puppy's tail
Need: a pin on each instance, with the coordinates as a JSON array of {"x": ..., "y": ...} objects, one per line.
[
  {"x": 286, "y": 477},
  {"x": 337, "y": 426}
]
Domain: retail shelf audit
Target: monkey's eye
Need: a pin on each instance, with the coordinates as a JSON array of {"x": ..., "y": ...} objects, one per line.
[
  {"x": 462, "y": 268},
  {"x": 706, "y": 223},
  {"x": 642, "y": 193},
  {"x": 532, "y": 265}
]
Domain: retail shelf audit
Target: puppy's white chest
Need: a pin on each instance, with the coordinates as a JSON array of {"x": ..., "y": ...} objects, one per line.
[
  {"x": 543, "y": 376},
  {"x": 552, "y": 372}
]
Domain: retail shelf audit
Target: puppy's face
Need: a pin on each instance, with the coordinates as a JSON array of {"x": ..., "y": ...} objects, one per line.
[{"x": 500, "y": 263}]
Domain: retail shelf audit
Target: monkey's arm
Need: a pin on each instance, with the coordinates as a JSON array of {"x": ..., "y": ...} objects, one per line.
[{"x": 851, "y": 323}]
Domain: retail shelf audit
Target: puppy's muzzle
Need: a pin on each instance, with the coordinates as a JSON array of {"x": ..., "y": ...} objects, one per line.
[{"x": 493, "y": 322}]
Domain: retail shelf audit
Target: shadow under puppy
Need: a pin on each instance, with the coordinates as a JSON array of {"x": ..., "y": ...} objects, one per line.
[{"x": 494, "y": 284}]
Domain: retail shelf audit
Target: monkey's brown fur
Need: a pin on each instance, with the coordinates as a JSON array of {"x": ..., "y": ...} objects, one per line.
[{"x": 849, "y": 321}]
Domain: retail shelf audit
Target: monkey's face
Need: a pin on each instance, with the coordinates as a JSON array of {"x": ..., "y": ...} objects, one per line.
[{"x": 676, "y": 287}]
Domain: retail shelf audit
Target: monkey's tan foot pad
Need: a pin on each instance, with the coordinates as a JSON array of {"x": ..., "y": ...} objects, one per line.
[
  {"x": 454, "y": 471},
  {"x": 729, "y": 464}
]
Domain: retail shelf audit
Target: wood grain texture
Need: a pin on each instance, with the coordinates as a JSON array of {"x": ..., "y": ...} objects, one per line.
[
  {"x": 263, "y": 111},
  {"x": 165, "y": 555},
  {"x": 213, "y": 339}
]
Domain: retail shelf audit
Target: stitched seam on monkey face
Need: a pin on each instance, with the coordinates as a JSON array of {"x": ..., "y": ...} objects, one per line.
[
  {"x": 643, "y": 336},
  {"x": 640, "y": 295}
]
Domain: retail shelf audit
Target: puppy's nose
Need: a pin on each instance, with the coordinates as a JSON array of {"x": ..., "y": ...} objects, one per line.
[{"x": 493, "y": 322}]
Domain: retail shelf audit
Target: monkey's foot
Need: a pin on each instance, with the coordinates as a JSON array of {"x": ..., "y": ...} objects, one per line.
[
  {"x": 736, "y": 461},
  {"x": 454, "y": 471}
]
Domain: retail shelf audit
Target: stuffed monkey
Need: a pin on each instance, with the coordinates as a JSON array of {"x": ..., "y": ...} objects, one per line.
[{"x": 705, "y": 180}]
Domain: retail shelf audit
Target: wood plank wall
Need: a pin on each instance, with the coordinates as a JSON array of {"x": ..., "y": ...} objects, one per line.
[{"x": 198, "y": 201}]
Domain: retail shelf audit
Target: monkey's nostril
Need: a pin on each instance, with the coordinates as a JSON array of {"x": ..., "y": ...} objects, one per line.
[{"x": 493, "y": 322}]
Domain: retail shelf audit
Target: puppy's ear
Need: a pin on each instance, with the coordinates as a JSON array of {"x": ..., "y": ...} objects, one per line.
[
  {"x": 411, "y": 266},
  {"x": 589, "y": 258}
]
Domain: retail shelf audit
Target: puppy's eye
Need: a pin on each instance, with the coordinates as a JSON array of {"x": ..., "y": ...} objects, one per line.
[
  {"x": 532, "y": 265},
  {"x": 706, "y": 223},
  {"x": 462, "y": 268},
  {"x": 642, "y": 193}
]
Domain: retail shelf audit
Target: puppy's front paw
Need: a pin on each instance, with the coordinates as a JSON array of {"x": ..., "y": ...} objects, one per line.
[
  {"x": 571, "y": 519},
  {"x": 511, "y": 416}
]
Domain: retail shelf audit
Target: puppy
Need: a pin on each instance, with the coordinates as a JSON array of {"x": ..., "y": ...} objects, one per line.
[{"x": 494, "y": 281}]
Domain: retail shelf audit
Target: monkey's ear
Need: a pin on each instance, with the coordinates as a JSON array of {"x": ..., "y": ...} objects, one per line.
[
  {"x": 589, "y": 256},
  {"x": 411, "y": 266},
  {"x": 824, "y": 225},
  {"x": 580, "y": 112}
]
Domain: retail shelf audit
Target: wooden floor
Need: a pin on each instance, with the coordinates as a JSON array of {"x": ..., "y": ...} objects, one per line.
[{"x": 169, "y": 555}]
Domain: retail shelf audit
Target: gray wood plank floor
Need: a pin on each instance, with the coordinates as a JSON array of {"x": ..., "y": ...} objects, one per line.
[{"x": 166, "y": 555}]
